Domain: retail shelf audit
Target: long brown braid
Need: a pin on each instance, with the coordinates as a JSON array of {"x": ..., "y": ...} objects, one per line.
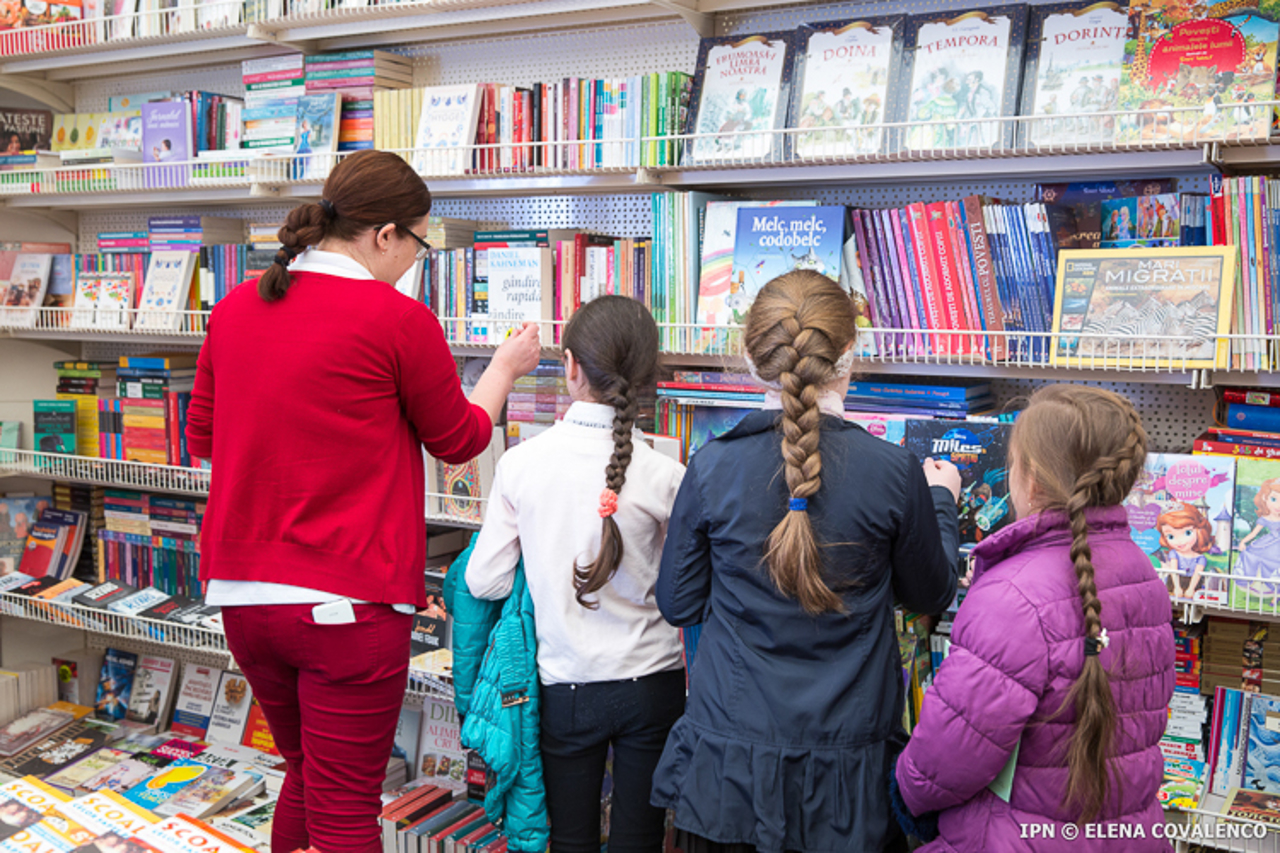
[
  {"x": 799, "y": 325},
  {"x": 615, "y": 342},
  {"x": 1083, "y": 447}
]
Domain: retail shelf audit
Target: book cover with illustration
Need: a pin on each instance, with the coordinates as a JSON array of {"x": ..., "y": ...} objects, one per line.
[
  {"x": 195, "y": 700},
  {"x": 1192, "y": 70},
  {"x": 1262, "y": 758},
  {"x": 1180, "y": 512},
  {"x": 770, "y": 241},
  {"x": 446, "y": 125},
  {"x": 152, "y": 689},
  {"x": 165, "y": 290},
  {"x": 54, "y": 425},
  {"x": 26, "y": 287},
  {"x": 115, "y": 301},
  {"x": 964, "y": 68},
  {"x": 230, "y": 712},
  {"x": 1074, "y": 54},
  {"x": 17, "y": 517},
  {"x": 166, "y": 784},
  {"x": 25, "y": 130},
  {"x": 979, "y": 450},
  {"x": 743, "y": 84},
  {"x": 441, "y": 758},
  {"x": 1149, "y": 220},
  {"x": 318, "y": 116},
  {"x": 115, "y": 684},
  {"x": 1166, "y": 307},
  {"x": 846, "y": 82},
  {"x": 1255, "y": 539},
  {"x": 166, "y": 141}
]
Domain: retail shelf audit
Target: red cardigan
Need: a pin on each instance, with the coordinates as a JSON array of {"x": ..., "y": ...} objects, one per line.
[{"x": 313, "y": 410}]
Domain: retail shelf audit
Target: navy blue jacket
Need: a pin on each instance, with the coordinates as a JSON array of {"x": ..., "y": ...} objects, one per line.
[{"x": 793, "y": 720}]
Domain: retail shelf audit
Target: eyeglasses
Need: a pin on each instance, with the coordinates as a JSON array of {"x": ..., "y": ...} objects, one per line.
[{"x": 426, "y": 247}]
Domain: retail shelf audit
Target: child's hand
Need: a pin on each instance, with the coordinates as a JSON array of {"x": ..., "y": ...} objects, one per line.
[
  {"x": 519, "y": 353},
  {"x": 941, "y": 473}
]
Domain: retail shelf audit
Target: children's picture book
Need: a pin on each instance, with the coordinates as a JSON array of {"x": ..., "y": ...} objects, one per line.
[
  {"x": 1262, "y": 758},
  {"x": 1142, "y": 221},
  {"x": 196, "y": 696},
  {"x": 318, "y": 116},
  {"x": 230, "y": 712},
  {"x": 1255, "y": 540},
  {"x": 846, "y": 74},
  {"x": 743, "y": 84},
  {"x": 1074, "y": 55},
  {"x": 113, "y": 310},
  {"x": 1180, "y": 512},
  {"x": 979, "y": 450},
  {"x": 54, "y": 425},
  {"x": 1162, "y": 307},
  {"x": 26, "y": 289},
  {"x": 446, "y": 126},
  {"x": 115, "y": 684},
  {"x": 770, "y": 241},
  {"x": 166, "y": 141},
  {"x": 1191, "y": 72},
  {"x": 964, "y": 69},
  {"x": 85, "y": 302},
  {"x": 165, "y": 290}
]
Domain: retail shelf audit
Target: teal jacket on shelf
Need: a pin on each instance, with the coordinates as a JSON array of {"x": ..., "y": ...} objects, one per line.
[{"x": 495, "y": 658}]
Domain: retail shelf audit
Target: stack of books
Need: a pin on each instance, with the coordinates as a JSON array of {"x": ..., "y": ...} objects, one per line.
[
  {"x": 1238, "y": 653},
  {"x": 189, "y": 233},
  {"x": 119, "y": 242},
  {"x": 54, "y": 544},
  {"x": 1188, "y": 710},
  {"x": 272, "y": 87},
  {"x": 938, "y": 401},
  {"x": 87, "y": 384},
  {"x": 151, "y": 540},
  {"x": 154, "y": 392},
  {"x": 358, "y": 71},
  {"x": 265, "y": 235},
  {"x": 538, "y": 399},
  {"x": 88, "y": 500}
]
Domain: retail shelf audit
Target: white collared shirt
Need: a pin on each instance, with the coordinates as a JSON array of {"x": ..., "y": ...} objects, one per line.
[
  {"x": 222, "y": 593},
  {"x": 544, "y": 507}
]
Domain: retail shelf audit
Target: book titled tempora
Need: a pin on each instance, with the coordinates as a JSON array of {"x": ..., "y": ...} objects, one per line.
[{"x": 964, "y": 69}]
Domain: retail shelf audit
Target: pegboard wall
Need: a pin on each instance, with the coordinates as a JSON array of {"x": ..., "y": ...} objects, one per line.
[{"x": 1174, "y": 415}]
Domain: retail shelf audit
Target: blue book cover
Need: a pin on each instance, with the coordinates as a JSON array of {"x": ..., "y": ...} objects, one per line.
[
  {"x": 317, "y": 133},
  {"x": 932, "y": 393},
  {"x": 1256, "y": 418},
  {"x": 1262, "y": 758},
  {"x": 979, "y": 450},
  {"x": 771, "y": 241},
  {"x": 166, "y": 782},
  {"x": 115, "y": 684}
]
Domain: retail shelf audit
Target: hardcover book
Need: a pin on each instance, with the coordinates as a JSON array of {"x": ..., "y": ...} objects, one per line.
[
  {"x": 743, "y": 84},
  {"x": 1255, "y": 541},
  {"x": 446, "y": 126},
  {"x": 1183, "y": 66},
  {"x": 963, "y": 69},
  {"x": 1260, "y": 806},
  {"x": 1180, "y": 512},
  {"x": 979, "y": 450},
  {"x": 846, "y": 85},
  {"x": 1164, "y": 307},
  {"x": 115, "y": 301},
  {"x": 1148, "y": 220},
  {"x": 1074, "y": 56},
  {"x": 771, "y": 241}
]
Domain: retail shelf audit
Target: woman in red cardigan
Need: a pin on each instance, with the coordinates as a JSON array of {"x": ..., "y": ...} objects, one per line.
[{"x": 315, "y": 394}]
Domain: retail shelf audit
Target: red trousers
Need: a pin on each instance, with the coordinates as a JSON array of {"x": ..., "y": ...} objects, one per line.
[{"x": 332, "y": 695}]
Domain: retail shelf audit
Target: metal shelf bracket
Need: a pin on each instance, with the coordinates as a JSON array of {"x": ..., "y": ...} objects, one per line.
[
  {"x": 61, "y": 97},
  {"x": 703, "y": 24}
]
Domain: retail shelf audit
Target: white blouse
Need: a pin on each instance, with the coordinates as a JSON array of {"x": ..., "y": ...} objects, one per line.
[{"x": 544, "y": 506}]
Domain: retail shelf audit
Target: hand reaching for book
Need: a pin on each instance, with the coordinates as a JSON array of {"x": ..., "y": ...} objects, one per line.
[
  {"x": 942, "y": 473},
  {"x": 519, "y": 353}
]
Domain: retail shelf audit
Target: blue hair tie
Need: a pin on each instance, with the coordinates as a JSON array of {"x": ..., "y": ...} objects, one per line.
[{"x": 799, "y": 504}]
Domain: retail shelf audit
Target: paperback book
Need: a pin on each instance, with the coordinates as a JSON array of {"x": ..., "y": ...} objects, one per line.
[
  {"x": 446, "y": 127},
  {"x": 1255, "y": 541},
  {"x": 979, "y": 450}
]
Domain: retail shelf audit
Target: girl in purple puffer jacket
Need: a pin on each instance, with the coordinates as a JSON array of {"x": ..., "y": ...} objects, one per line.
[{"x": 1061, "y": 659}]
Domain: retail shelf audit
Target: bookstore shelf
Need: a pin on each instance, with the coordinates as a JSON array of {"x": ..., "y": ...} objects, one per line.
[
  {"x": 1207, "y": 827},
  {"x": 115, "y": 473},
  {"x": 188, "y": 637}
]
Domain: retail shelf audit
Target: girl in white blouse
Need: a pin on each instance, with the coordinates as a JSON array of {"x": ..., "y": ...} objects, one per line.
[{"x": 611, "y": 668}]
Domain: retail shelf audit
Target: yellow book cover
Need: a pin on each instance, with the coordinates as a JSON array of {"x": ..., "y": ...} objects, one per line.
[
  {"x": 141, "y": 454},
  {"x": 86, "y": 422},
  {"x": 144, "y": 421},
  {"x": 1165, "y": 308}
]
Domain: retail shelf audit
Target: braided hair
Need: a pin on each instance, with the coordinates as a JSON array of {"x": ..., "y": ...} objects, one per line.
[
  {"x": 1082, "y": 447},
  {"x": 615, "y": 342},
  {"x": 797, "y": 329},
  {"x": 369, "y": 189}
]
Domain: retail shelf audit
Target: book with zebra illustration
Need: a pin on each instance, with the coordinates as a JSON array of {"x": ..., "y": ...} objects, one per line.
[{"x": 1148, "y": 307}]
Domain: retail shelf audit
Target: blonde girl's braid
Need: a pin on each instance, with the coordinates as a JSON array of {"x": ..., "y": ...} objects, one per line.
[{"x": 797, "y": 328}]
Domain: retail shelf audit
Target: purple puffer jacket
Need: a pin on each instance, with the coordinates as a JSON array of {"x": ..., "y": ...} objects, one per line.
[{"x": 1017, "y": 647}]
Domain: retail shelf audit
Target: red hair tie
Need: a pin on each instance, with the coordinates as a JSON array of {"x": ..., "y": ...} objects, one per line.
[{"x": 608, "y": 503}]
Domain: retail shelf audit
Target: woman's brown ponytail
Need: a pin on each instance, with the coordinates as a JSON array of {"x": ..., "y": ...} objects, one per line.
[
  {"x": 615, "y": 342},
  {"x": 1083, "y": 447},
  {"x": 368, "y": 189},
  {"x": 799, "y": 325}
]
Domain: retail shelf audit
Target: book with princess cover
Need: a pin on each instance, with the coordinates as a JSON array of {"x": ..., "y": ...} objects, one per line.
[
  {"x": 1186, "y": 62},
  {"x": 1255, "y": 540},
  {"x": 1075, "y": 210},
  {"x": 743, "y": 84},
  {"x": 771, "y": 241},
  {"x": 1074, "y": 54},
  {"x": 1180, "y": 514},
  {"x": 963, "y": 69},
  {"x": 847, "y": 85},
  {"x": 1167, "y": 307},
  {"x": 979, "y": 450}
]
